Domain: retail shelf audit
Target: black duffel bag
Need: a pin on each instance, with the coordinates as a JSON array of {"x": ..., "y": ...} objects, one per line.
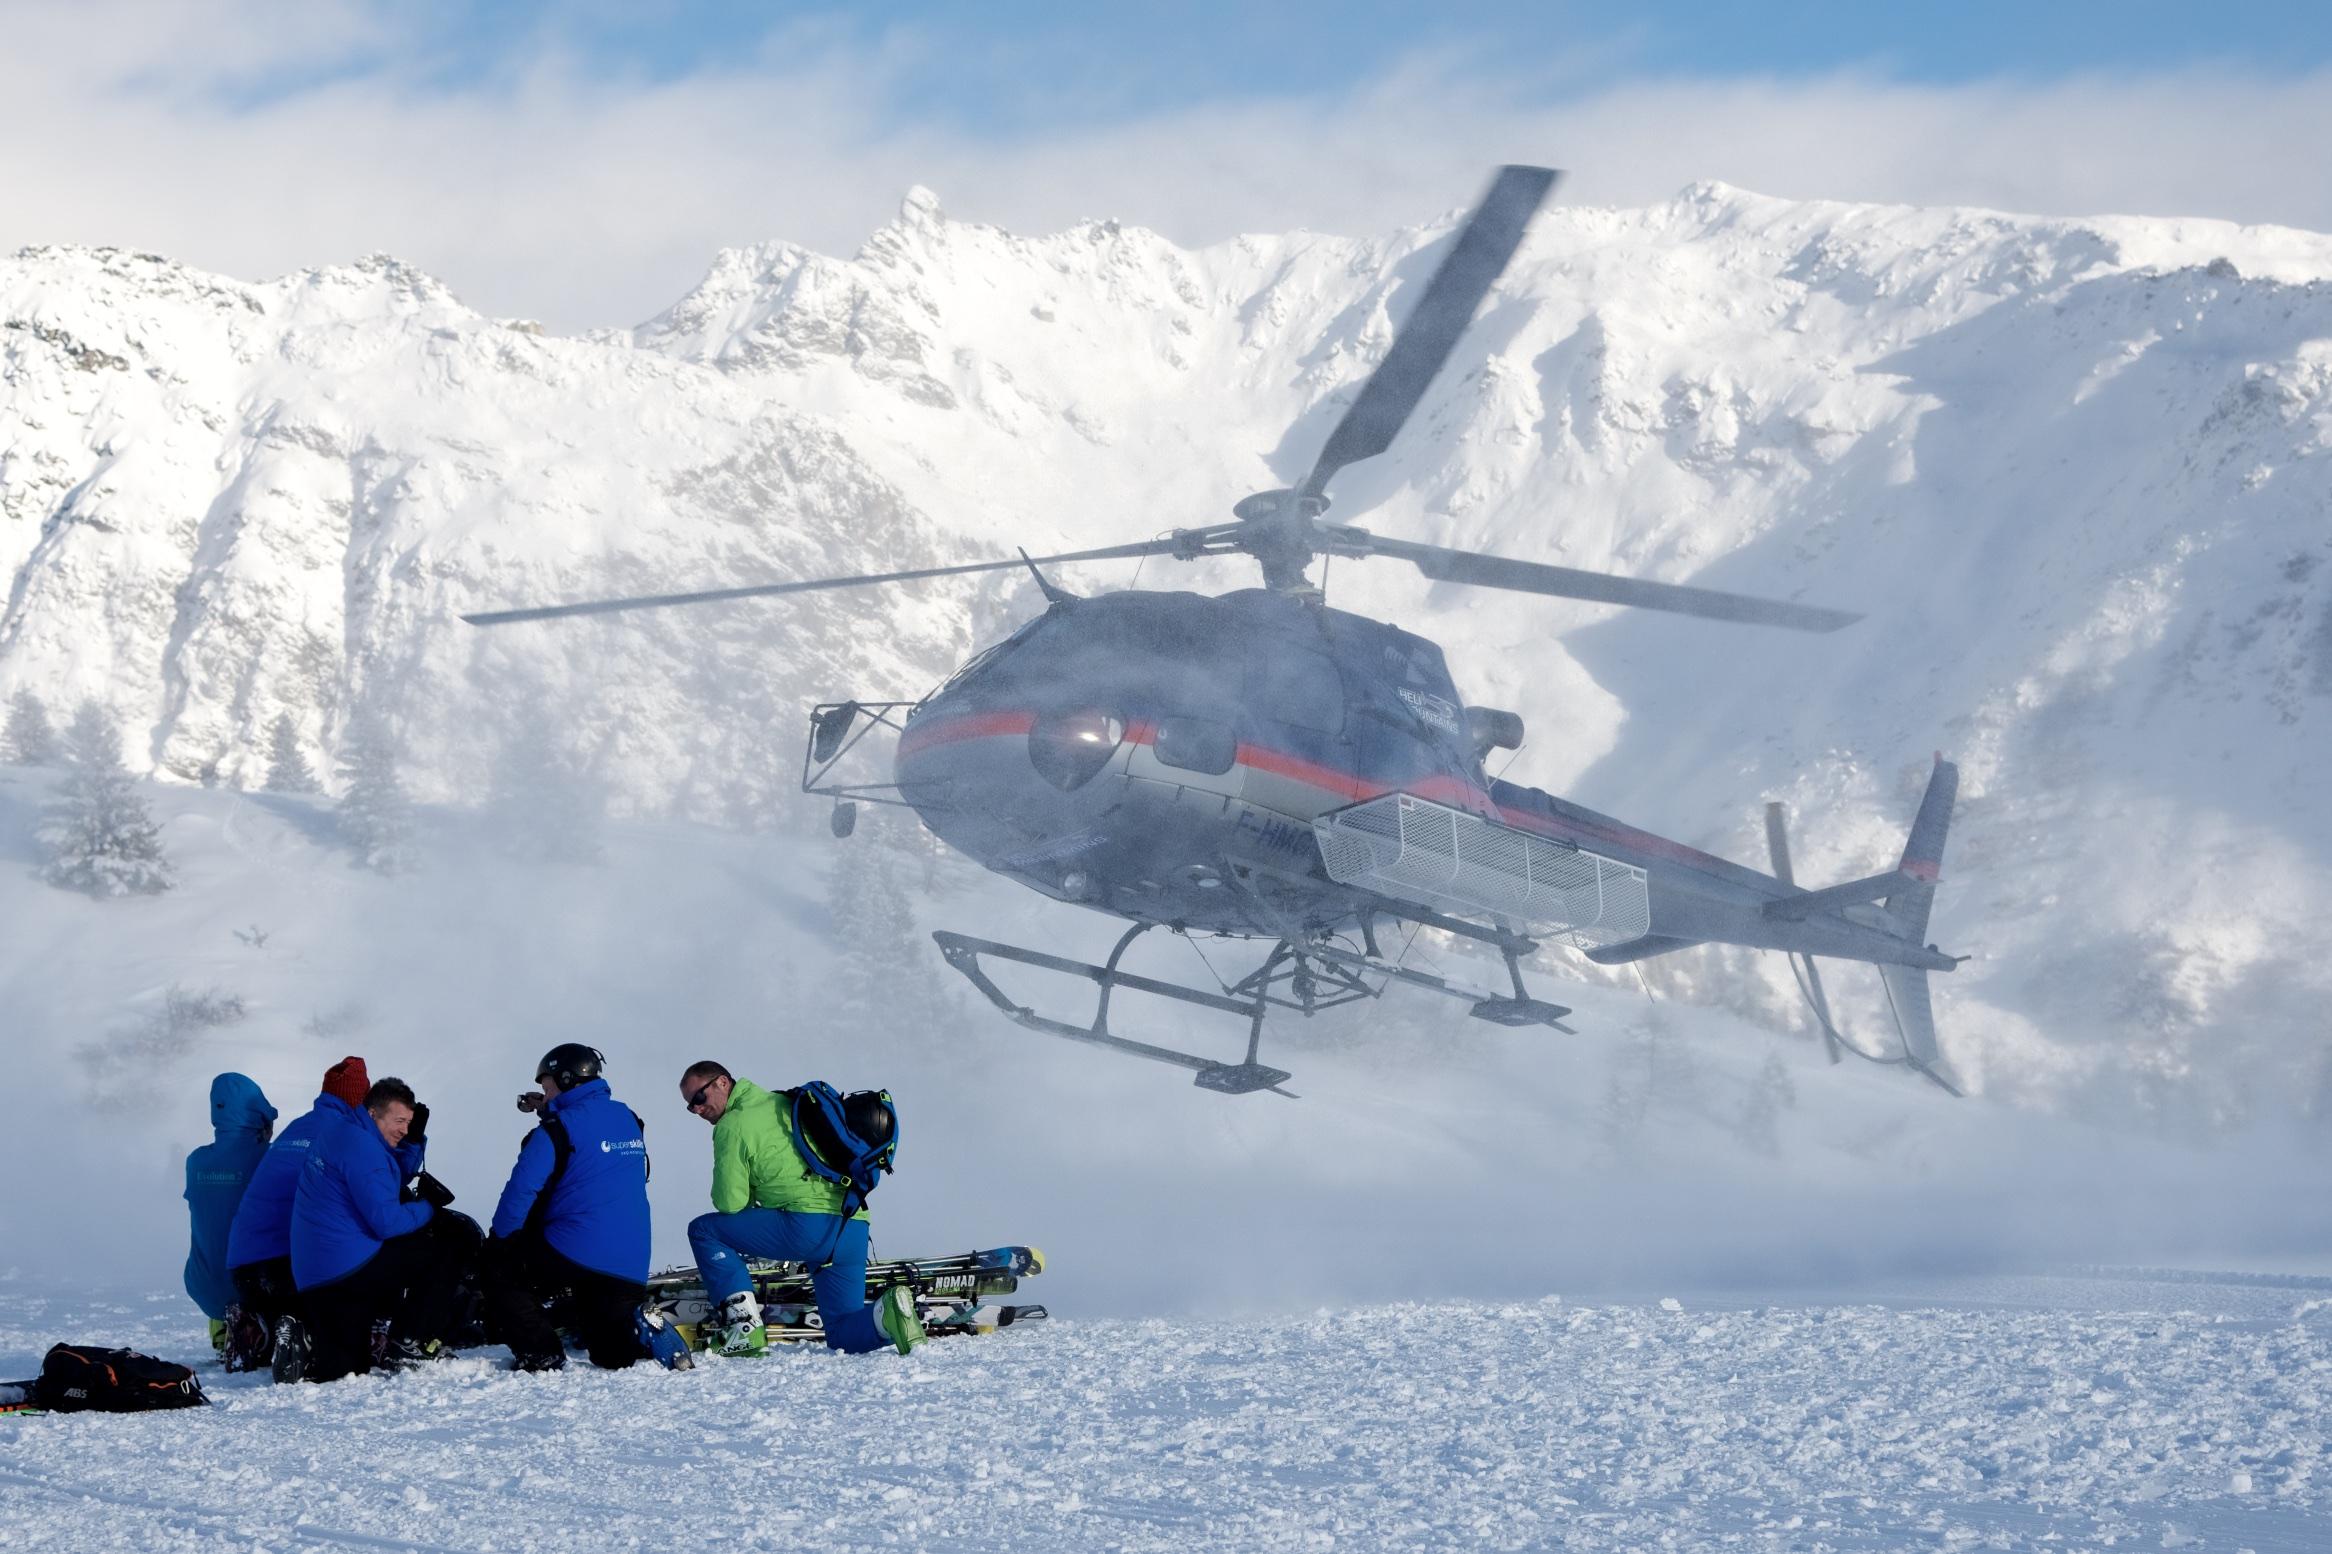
[{"x": 74, "y": 1377}]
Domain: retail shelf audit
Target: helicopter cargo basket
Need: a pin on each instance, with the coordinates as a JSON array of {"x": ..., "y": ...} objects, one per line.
[{"x": 1412, "y": 848}]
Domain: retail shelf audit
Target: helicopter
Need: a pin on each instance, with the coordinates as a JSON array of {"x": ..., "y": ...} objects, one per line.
[{"x": 1260, "y": 766}]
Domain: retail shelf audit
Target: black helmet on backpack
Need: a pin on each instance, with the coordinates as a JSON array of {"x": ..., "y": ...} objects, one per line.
[{"x": 570, "y": 1063}]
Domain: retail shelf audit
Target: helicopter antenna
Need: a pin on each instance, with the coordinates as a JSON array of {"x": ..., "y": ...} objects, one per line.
[{"x": 1053, "y": 594}]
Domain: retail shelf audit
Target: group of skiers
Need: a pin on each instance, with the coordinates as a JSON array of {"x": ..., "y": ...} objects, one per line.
[{"x": 328, "y": 1249}]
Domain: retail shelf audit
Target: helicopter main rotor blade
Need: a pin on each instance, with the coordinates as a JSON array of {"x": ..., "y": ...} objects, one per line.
[
  {"x": 1157, "y": 547},
  {"x": 1472, "y": 266},
  {"x": 1536, "y": 577}
]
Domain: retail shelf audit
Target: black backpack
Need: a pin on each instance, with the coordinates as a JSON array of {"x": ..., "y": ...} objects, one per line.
[
  {"x": 850, "y": 1140},
  {"x": 74, "y": 1377}
]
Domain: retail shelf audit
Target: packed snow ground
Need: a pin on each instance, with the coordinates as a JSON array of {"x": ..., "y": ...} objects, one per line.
[{"x": 2053, "y": 1414}]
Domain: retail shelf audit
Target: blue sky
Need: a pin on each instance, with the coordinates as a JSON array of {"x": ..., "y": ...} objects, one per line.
[
  {"x": 1024, "y": 62},
  {"x": 581, "y": 162}
]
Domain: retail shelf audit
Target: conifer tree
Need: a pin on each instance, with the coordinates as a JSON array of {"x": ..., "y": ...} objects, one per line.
[
  {"x": 96, "y": 835},
  {"x": 1769, "y": 1096},
  {"x": 376, "y": 817},
  {"x": 288, "y": 770},
  {"x": 891, "y": 985},
  {"x": 544, "y": 805},
  {"x": 28, "y": 739}
]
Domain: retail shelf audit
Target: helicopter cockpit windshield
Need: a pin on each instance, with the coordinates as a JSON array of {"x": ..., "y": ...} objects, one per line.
[
  {"x": 1122, "y": 652},
  {"x": 972, "y": 667}
]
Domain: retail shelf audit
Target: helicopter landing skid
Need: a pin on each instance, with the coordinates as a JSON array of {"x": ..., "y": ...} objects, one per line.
[{"x": 1224, "y": 1078}]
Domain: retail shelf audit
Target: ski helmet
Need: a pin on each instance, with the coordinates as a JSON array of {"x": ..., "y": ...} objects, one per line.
[{"x": 570, "y": 1063}]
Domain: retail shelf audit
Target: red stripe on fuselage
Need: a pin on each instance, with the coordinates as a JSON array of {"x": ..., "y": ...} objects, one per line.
[
  {"x": 1438, "y": 788},
  {"x": 934, "y": 732}
]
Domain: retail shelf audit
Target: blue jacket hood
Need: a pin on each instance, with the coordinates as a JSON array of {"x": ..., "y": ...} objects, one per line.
[{"x": 238, "y": 1106}]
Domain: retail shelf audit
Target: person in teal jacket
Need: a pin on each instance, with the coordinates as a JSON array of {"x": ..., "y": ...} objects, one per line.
[
  {"x": 768, "y": 1203},
  {"x": 217, "y": 1175}
]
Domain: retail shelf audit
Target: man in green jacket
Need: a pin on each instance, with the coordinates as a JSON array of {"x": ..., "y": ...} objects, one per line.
[{"x": 769, "y": 1203}]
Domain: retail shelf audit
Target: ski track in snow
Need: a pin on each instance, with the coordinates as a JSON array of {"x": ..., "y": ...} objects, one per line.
[{"x": 2046, "y": 1414}]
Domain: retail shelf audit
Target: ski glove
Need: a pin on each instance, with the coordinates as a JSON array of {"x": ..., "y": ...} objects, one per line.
[
  {"x": 413, "y": 1134},
  {"x": 429, "y": 1190}
]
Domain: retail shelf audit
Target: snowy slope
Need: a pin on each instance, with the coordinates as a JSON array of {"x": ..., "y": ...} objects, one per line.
[
  {"x": 2074, "y": 470},
  {"x": 2033, "y": 1415}
]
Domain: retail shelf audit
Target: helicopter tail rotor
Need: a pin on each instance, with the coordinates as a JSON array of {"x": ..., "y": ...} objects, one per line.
[{"x": 1906, "y": 912}]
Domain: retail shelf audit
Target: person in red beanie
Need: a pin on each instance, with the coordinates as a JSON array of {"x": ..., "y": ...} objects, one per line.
[
  {"x": 259, "y": 1242},
  {"x": 374, "y": 1253},
  {"x": 347, "y": 1080}
]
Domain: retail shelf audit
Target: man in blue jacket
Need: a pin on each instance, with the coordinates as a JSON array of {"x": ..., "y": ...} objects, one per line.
[
  {"x": 358, "y": 1252},
  {"x": 217, "y": 1176},
  {"x": 259, "y": 1244},
  {"x": 571, "y": 1228}
]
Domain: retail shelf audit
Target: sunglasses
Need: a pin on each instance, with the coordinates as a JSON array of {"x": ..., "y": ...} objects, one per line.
[{"x": 702, "y": 1091}]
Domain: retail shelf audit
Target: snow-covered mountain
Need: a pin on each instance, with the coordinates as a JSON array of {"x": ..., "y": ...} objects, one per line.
[{"x": 2075, "y": 471}]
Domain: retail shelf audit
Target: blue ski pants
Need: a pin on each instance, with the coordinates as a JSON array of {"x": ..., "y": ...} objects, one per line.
[{"x": 722, "y": 1242}]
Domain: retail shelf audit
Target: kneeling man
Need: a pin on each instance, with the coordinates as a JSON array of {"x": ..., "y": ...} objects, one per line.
[
  {"x": 771, "y": 1204},
  {"x": 571, "y": 1229}
]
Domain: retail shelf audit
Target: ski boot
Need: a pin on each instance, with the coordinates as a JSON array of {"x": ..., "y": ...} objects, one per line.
[
  {"x": 660, "y": 1340},
  {"x": 895, "y": 1314},
  {"x": 288, "y": 1360},
  {"x": 249, "y": 1343},
  {"x": 548, "y": 1360},
  {"x": 405, "y": 1354},
  {"x": 736, "y": 1327},
  {"x": 219, "y": 1336}
]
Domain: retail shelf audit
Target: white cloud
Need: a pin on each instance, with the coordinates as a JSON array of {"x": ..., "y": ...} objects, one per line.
[{"x": 559, "y": 192}]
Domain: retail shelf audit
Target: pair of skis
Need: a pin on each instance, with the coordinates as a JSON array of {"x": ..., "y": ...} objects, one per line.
[{"x": 952, "y": 1294}]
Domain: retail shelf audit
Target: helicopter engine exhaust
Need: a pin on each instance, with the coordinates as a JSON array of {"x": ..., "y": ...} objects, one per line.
[{"x": 1488, "y": 729}]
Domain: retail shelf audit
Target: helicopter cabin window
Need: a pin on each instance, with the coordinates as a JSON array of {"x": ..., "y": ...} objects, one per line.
[
  {"x": 1298, "y": 686},
  {"x": 1196, "y": 745},
  {"x": 1069, "y": 749}
]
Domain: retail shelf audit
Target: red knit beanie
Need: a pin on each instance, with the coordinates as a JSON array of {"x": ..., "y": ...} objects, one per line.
[{"x": 347, "y": 1080}]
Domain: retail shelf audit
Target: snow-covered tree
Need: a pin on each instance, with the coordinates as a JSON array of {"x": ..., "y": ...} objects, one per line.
[
  {"x": 288, "y": 770},
  {"x": 28, "y": 739},
  {"x": 376, "y": 816},
  {"x": 96, "y": 835},
  {"x": 1770, "y": 1094},
  {"x": 544, "y": 802},
  {"x": 890, "y": 984}
]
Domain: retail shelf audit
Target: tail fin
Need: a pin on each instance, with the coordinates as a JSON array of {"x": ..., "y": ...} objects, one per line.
[
  {"x": 1907, "y": 908},
  {"x": 1907, "y": 911}
]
